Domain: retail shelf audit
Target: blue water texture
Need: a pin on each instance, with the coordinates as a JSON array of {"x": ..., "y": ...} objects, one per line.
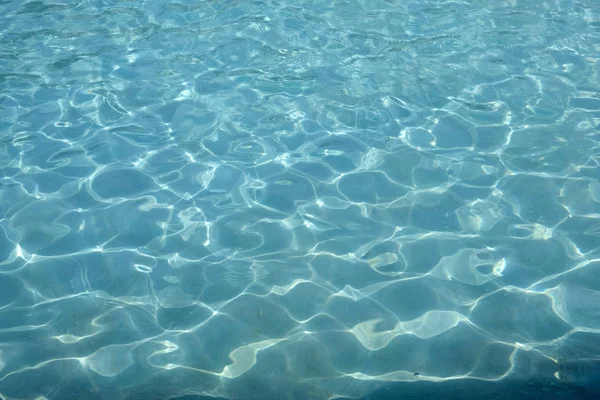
[{"x": 310, "y": 199}]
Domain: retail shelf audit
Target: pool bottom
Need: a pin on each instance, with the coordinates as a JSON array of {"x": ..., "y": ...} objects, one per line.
[{"x": 451, "y": 390}]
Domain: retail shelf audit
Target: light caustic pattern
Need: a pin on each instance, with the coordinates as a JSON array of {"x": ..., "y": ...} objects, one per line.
[{"x": 297, "y": 200}]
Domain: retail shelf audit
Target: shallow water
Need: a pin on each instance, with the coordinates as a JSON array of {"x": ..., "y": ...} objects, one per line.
[{"x": 299, "y": 199}]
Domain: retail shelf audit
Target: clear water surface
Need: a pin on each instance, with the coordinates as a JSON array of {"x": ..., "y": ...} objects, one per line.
[{"x": 317, "y": 199}]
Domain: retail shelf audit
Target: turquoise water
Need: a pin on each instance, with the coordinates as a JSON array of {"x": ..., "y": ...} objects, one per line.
[{"x": 299, "y": 199}]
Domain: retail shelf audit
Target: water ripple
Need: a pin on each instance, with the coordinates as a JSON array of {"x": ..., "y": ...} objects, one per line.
[{"x": 314, "y": 200}]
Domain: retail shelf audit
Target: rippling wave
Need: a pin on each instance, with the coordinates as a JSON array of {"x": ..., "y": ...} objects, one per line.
[{"x": 299, "y": 200}]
